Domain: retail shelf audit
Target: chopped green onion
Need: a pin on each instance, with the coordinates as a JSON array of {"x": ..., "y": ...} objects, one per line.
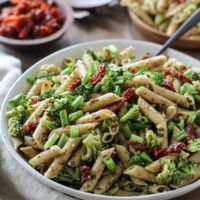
[
  {"x": 159, "y": 19},
  {"x": 140, "y": 126},
  {"x": 62, "y": 141},
  {"x": 15, "y": 101},
  {"x": 51, "y": 141},
  {"x": 180, "y": 135},
  {"x": 77, "y": 102},
  {"x": 98, "y": 55},
  {"x": 181, "y": 124},
  {"x": 126, "y": 130},
  {"x": 64, "y": 118},
  {"x": 97, "y": 87},
  {"x": 66, "y": 71},
  {"x": 191, "y": 119},
  {"x": 137, "y": 138},
  {"x": 77, "y": 173},
  {"x": 76, "y": 115},
  {"x": 197, "y": 98},
  {"x": 104, "y": 125},
  {"x": 109, "y": 162},
  {"x": 158, "y": 126},
  {"x": 146, "y": 157},
  {"x": 30, "y": 79},
  {"x": 89, "y": 73},
  {"x": 115, "y": 51},
  {"x": 119, "y": 80},
  {"x": 48, "y": 124},
  {"x": 117, "y": 90},
  {"x": 143, "y": 119},
  {"x": 170, "y": 126},
  {"x": 74, "y": 132}
]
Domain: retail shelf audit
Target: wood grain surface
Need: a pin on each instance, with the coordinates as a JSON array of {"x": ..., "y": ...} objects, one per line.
[{"x": 107, "y": 23}]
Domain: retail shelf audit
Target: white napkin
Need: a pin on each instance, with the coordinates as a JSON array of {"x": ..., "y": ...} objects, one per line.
[{"x": 15, "y": 182}]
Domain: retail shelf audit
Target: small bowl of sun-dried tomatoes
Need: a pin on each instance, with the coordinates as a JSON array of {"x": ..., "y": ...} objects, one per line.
[{"x": 32, "y": 23}]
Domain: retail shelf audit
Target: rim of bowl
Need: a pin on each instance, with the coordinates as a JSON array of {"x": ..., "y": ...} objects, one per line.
[
  {"x": 68, "y": 13},
  {"x": 154, "y": 30},
  {"x": 70, "y": 191}
]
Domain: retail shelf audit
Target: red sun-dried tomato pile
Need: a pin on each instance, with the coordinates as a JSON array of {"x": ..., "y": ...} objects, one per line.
[{"x": 30, "y": 19}]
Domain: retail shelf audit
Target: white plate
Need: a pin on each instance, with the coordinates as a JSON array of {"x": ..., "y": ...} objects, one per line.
[
  {"x": 21, "y": 86},
  {"x": 88, "y": 3}
]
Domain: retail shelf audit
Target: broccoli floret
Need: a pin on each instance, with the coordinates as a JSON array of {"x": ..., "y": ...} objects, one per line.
[
  {"x": 92, "y": 144},
  {"x": 194, "y": 145},
  {"x": 157, "y": 77},
  {"x": 84, "y": 90},
  {"x": 14, "y": 126},
  {"x": 70, "y": 176},
  {"x": 152, "y": 139},
  {"x": 197, "y": 119},
  {"x": 107, "y": 84},
  {"x": 141, "y": 159},
  {"x": 192, "y": 74},
  {"x": 58, "y": 104},
  {"x": 133, "y": 113},
  {"x": 173, "y": 172}
]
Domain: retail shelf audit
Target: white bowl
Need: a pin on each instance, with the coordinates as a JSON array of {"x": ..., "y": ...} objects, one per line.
[{"x": 21, "y": 86}]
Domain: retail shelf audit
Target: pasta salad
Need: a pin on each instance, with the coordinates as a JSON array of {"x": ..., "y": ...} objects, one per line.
[
  {"x": 166, "y": 15},
  {"x": 108, "y": 124}
]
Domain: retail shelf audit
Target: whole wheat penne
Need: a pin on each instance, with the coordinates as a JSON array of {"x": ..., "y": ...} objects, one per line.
[
  {"x": 123, "y": 154},
  {"x": 51, "y": 68},
  {"x": 29, "y": 151},
  {"x": 184, "y": 113},
  {"x": 140, "y": 172},
  {"x": 36, "y": 88},
  {"x": 96, "y": 116},
  {"x": 170, "y": 112},
  {"x": 154, "y": 188},
  {"x": 75, "y": 160},
  {"x": 195, "y": 157},
  {"x": 100, "y": 102},
  {"x": 65, "y": 85},
  {"x": 29, "y": 141},
  {"x": 156, "y": 166},
  {"x": 141, "y": 80},
  {"x": 87, "y": 60},
  {"x": 59, "y": 162},
  {"x": 96, "y": 171},
  {"x": 40, "y": 133},
  {"x": 17, "y": 142},
  {"x": 45, "y": 156},
  {"x": 61, "y": 78},
  {"x": 83, "y": 128},
  {"x": 172, "y": 96},
  {"x": 34, "y": 117},
  {"x": 46, "y": 86},
  {"x": 82, "y": 69},
  {"x": 107, "y": 181},
  {"x": 149, "y": 63},
  {"x": 152, "y": 97}
]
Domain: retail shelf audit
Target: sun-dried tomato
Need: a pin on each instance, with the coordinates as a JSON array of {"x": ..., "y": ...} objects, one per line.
[
  {"x": 127, "y": 96},
  {"x": 174, "y": 148},
  {"x": 155, "y": 152},
  {"x": 137, "y": 146},
  {"x": 35, "y": 100},
  {"x": 177, "y": 74},
  {"x": 145, "y": 56},
  {"x": 29, "y": 127},
  {"x": 75, "y": 83},
  {"x": 85, "y": 172},
  {"x": 169, "y": 85},
  {"x": 30, "y": 19},
  {"x": 97, "y": 77},
  {"x": 191, "y": 134}
]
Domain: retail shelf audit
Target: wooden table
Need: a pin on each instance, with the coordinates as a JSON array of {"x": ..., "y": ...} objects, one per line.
[{"x": 112, "y": 23}]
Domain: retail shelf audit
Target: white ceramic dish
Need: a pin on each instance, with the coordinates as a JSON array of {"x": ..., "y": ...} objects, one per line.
[
  {"x": 75, "y": 51},
  {"x": 88, "y": 3}
]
